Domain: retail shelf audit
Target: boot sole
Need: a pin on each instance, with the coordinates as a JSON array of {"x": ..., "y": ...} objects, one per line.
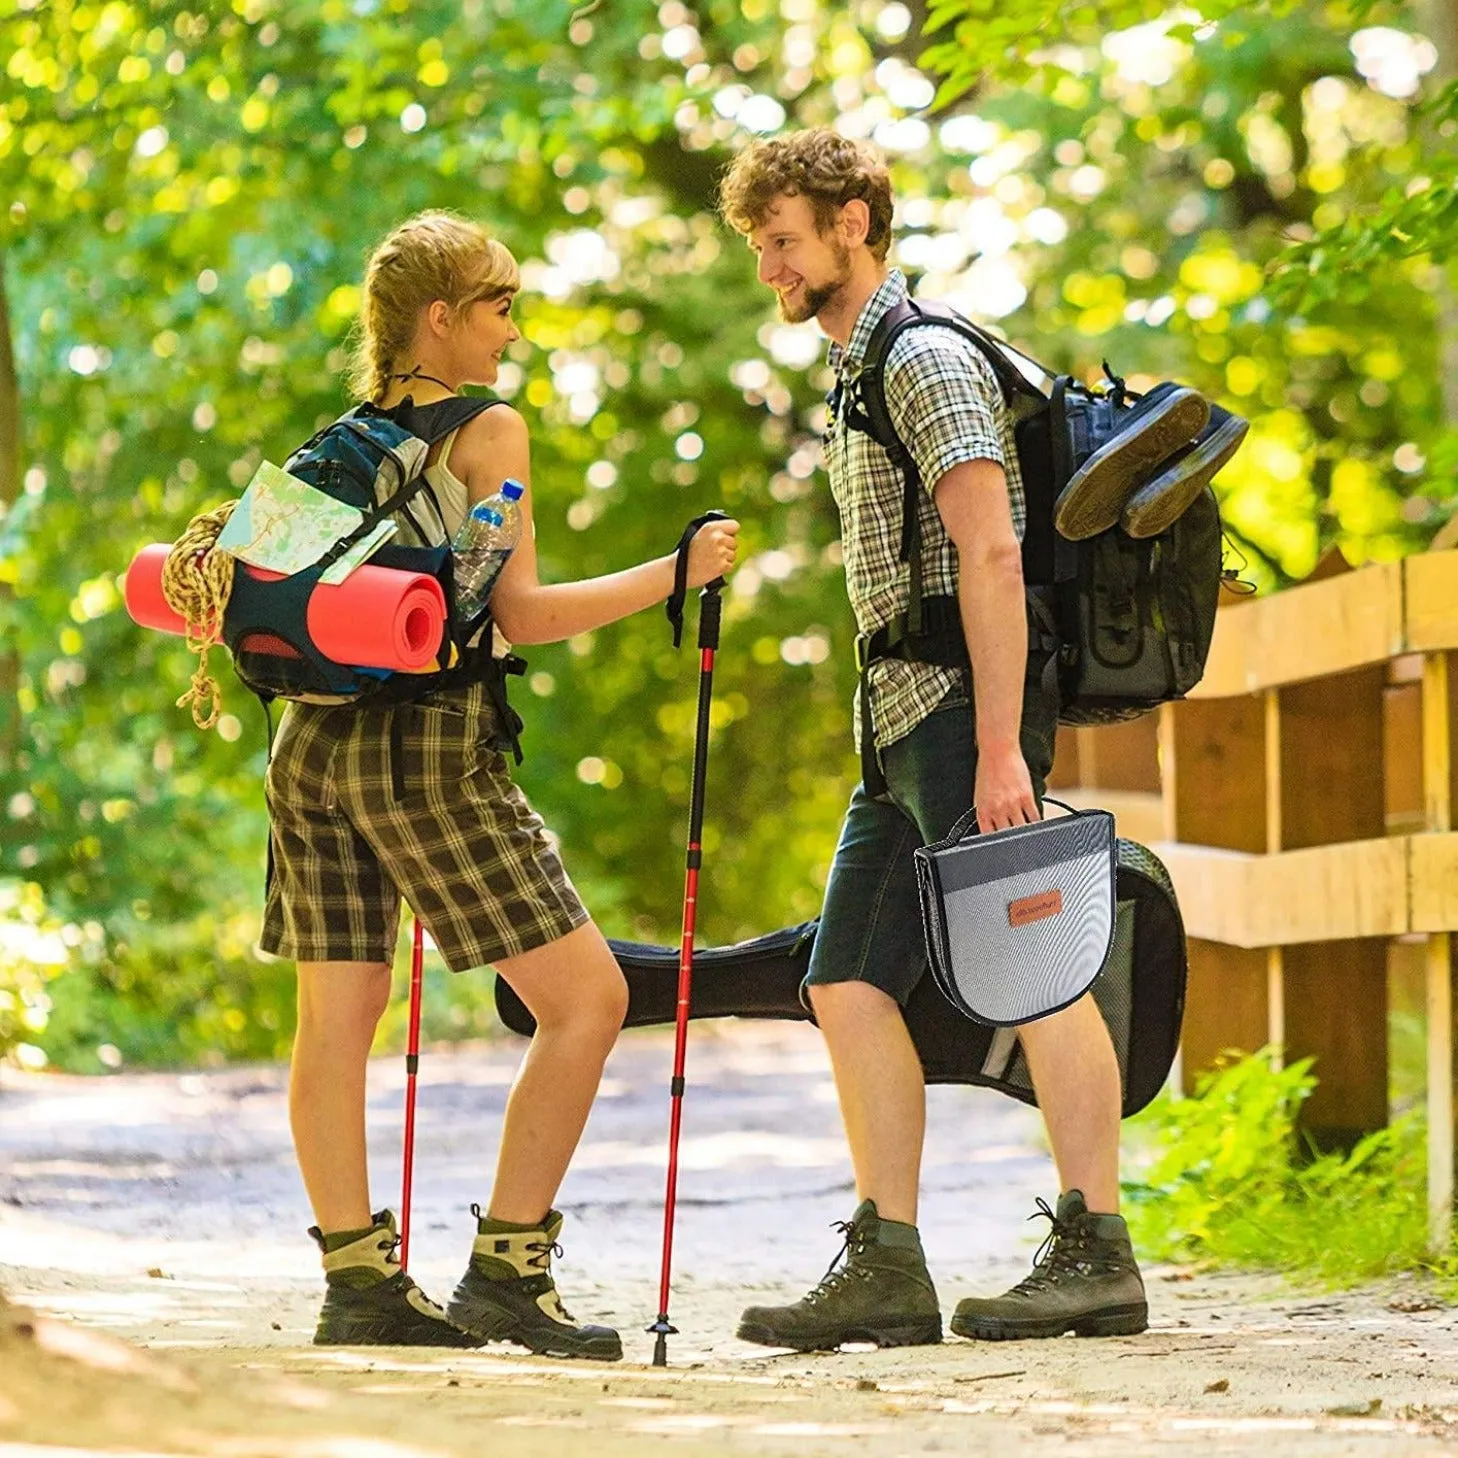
[
  {"x": 917, "y": 1333},
  {"x": 1157, "y": 505},
  {"x": 1112, "y": 1321},
  {"x": 1095, "y": 494},
  {"x": 383, "y": 1336},
  {"x": 494, "y": 1327}
]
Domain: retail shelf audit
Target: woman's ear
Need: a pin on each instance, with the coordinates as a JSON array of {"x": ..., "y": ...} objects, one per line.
[{"x": 438, "y": 316}]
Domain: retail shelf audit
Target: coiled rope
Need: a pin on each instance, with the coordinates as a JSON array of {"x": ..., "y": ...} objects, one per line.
[{"x": 197, "y": 582}]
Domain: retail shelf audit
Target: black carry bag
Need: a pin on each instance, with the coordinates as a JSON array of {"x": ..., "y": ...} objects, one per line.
[
  {"x": 1141, "y": 992},
  {"x": 1018, "y": 922}
]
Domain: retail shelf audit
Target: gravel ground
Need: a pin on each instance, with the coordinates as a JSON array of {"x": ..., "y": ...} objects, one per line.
[{"x": 165, "y": 1210}]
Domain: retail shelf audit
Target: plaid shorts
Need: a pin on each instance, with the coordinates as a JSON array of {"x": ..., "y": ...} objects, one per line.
[{"x": 366, "y": 804}]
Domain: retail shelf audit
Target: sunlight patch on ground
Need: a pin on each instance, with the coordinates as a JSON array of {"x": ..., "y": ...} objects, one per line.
[{"x": 752, "y": 1148}]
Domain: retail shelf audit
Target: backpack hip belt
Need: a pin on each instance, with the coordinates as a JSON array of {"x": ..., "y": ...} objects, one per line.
[{"x": 941, "y": 643}]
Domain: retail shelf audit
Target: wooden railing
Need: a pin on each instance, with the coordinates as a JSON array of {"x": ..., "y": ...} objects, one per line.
[{"x": 1303, "y": 799}]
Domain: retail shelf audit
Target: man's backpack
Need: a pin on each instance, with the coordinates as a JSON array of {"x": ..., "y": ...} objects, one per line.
[
  {"x": 1129, "y": 621},
  {"x": 374, "y": 460}
]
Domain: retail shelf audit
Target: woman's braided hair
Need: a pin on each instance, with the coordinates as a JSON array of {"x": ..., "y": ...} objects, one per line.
[{"x": 434, "y": 255}]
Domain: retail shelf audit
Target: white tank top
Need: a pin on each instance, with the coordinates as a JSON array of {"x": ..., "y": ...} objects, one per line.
[{"x": 450, "y": 492}]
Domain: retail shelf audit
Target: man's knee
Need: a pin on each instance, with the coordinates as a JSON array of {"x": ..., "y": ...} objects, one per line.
[{"x": 845, "y": 1003}]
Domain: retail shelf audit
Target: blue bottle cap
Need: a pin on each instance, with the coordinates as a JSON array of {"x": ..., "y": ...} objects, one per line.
[{"x": 512, "y": 489}]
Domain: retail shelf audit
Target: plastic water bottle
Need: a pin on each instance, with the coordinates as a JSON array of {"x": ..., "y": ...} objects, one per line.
[{"x": 487, "y": 537}]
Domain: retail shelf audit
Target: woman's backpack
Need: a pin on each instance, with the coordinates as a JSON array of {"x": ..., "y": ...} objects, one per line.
[
  {"x": 1130, "y": 621},
  {"x": 374, "y": 460}
]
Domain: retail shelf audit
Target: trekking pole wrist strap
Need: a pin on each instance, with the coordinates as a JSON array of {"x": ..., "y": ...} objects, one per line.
[{"x": 674, "y": 606}]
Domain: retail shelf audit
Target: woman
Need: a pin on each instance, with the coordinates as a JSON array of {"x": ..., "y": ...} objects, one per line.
[{"x": 460, "y": 843}]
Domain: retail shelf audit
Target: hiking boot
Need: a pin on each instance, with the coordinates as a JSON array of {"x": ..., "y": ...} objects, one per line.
[
  {"x": 882, "y": 1294},
  {"x": 1148, "y": 434},
  {"x": 1084, "y": 1280},
  {"x": 1165, "y": 497},
  {"x": 508, "y": 1294},
  {"x": 371, "y": 1302}
]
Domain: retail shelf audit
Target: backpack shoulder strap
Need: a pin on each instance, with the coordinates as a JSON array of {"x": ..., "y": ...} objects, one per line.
[
  {"x": 912, "y": 314},
  {"x": 435, "y": 421}
]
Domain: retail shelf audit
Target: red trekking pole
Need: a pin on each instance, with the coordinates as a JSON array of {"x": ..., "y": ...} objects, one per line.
[
  {"x": 412, "y": 1066},
  {"x": 709, "y": 612}
]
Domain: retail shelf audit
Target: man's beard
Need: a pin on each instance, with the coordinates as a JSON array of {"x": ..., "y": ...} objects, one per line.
[{"x": 817, "y": 298}]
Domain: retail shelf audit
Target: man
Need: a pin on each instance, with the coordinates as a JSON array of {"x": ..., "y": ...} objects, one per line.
[{"x": 816, "y": 210}]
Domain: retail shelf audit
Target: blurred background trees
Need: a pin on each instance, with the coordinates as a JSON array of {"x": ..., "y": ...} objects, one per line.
[{"x": 1257, "y": 199}]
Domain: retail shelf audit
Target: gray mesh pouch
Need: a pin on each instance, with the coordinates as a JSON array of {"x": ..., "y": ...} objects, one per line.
[{"x": 1019, "y": 922}]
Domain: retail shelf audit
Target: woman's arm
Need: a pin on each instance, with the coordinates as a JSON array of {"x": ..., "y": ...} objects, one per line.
[{"x": 494, "y": 446}]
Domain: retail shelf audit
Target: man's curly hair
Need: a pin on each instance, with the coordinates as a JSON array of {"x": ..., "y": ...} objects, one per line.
[{"x": 820, "y": 165}]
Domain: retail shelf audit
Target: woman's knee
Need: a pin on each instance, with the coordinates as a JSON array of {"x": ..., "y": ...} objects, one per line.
[
  {"x": 573, "y": 985},
  {"x": 347, "y": 996},
  {"x": 596, "y": 1005}
]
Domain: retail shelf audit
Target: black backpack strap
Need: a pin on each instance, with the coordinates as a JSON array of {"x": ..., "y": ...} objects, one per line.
[{"x": 433, "y": 422}]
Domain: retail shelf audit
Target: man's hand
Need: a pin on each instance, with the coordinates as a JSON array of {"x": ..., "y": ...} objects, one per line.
[
  {"x": 711, "y": 553},
  {"x": 1003, "y": 792}
]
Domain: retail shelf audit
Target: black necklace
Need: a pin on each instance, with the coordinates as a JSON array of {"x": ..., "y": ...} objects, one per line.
[{"x": 418, "y": 374}]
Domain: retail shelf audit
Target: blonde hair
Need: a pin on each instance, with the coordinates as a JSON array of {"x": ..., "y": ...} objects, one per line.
[
  {"x": 434, "y": 255},
  {"x": 820, "y": 165}
]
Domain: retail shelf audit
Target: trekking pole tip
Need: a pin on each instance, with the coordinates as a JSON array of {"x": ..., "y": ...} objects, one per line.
[{"x": 662, "y": 1331}]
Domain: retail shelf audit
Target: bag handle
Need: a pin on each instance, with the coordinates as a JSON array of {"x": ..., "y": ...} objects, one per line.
[{"x": 969, "y": 820}]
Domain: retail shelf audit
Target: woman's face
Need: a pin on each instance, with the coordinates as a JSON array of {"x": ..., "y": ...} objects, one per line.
[{"x": 485, "y": 331}]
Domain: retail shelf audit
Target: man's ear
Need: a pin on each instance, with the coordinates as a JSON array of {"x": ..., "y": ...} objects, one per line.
[{"x": 855, "y": 221}]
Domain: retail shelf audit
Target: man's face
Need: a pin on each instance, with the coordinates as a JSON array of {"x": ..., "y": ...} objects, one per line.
[{"x": 805, "y": 268}]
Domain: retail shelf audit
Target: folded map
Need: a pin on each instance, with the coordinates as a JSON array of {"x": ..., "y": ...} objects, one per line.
[{"x": 283, "y": 525}]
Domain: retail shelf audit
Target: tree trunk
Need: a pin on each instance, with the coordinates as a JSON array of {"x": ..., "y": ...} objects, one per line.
[{"x": 9, "y": 492}]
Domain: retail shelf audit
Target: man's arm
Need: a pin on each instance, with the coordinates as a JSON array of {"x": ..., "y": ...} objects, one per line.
[{"x": 973, "y": 502}]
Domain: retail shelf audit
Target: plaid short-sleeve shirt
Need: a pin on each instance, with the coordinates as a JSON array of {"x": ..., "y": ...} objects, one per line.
[{"x": 947, "y": 408}]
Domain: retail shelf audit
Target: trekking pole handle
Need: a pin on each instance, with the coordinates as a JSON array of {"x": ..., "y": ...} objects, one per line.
[
  {"x": 711, "y": 607},
  {"x": 674, "y": 606}
]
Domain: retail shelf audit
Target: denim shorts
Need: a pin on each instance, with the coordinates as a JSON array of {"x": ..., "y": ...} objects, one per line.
[{"x": 870, "y": 926}]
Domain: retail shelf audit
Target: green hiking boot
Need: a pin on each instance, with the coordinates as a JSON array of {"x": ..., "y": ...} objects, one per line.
[
  {"x": 882, "y": 1294},
  {"x": 508, "y": 1294},
  {"x": 1084, "y": 1280},
  {"x": 371, "y": 1302}
]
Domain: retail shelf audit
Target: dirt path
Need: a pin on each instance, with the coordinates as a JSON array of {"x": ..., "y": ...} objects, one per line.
[{"x": 165, "y": 1210}]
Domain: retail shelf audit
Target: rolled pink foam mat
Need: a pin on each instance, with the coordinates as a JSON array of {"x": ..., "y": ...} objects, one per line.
[
  {"x": 143, "y": 591},
  {"x": 378, "y": 617}
]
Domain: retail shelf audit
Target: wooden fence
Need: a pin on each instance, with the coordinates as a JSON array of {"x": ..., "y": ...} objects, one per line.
[{"x": 1303, "y": 799}]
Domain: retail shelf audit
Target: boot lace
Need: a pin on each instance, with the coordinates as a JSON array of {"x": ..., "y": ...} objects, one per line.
[
  {"x": 837, "y": 1275},
  {"x": 389, "y": 1244},
  {"x": 1069, "y": 1248},
  {"x": 541, "y": 1259}
]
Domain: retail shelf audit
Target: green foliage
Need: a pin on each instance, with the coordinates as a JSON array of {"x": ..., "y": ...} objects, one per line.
[{"x": 1225, "y": 1178}]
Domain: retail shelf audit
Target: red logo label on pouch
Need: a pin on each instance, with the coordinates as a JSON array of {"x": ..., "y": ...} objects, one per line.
[{"x": 1034, "y": 908}]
